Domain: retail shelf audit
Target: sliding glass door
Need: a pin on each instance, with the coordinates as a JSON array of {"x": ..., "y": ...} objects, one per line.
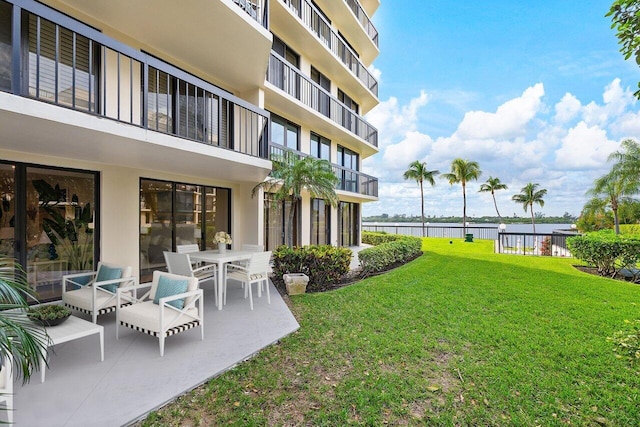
[
  {"x": 174, "y": 214},
  {"x": 48, "y": 223}
]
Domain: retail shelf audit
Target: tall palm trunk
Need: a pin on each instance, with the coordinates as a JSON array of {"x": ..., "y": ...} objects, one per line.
[
  {"x": 496, "y": 205},
  {"x": 616, "y": 220},
  {"x": 533, "y": 221},
  {"x": 292, "y": 216},
  {"x": 422, "y": 204},
  {"x": 464, "y": 209}
]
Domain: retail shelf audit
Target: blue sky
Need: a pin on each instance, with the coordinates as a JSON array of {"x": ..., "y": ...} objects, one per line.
[{"x": 533, "y": 91}]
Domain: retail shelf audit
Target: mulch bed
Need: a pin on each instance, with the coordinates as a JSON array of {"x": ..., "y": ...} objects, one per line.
[{"x": 594, "y": 271}]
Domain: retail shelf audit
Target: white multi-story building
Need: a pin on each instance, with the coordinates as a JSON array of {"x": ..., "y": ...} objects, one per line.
[{"x": 129, "y": 127}]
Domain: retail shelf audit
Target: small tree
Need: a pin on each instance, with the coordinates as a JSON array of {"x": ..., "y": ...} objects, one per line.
[
  {"x": 418, "y": 172},
  {"x": 292, "y": 175},
  {"x": 463, "y": 171},
  {"x": 491, "y": 186},
  {"x": 530, "y": 195}
]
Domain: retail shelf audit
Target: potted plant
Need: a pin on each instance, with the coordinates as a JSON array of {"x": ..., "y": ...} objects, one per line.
[{"x": 49, "y": 315}]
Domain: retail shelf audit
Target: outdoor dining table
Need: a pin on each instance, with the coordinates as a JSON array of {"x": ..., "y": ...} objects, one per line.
[{"x": 220, "y": 258}]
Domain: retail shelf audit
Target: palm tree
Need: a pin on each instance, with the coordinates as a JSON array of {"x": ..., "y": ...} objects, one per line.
[
  {"x": 463, "y": 171},
  {"x": 20, "y": 337},
  {"x": 291, "y": 175},
  {"x": 613, "y": 188},
  {"x": 529, "y": 194},
  {"x": 491, "y": 186},
  {"x": 418, "y": 172}
]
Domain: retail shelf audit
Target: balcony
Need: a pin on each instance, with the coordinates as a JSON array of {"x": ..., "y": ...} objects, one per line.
[
  {"x": 258, "y": 10},
  {"x": 321, "y": 28},
  {"x": 293, "y": 83},
  {"x": 364, "y": 20},
  {"x": 349, "y": 180},
  {"x": 84, "y": 71},
  {"x": 354, "y": 23},
  {"x": 219, "y": 40}
]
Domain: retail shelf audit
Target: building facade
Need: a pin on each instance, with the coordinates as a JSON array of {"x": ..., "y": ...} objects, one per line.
[{"x": 127, "y": 128}]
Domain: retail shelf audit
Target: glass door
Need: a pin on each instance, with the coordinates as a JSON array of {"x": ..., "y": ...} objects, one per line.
[
  {"x": 7, "y": 210},
  {"x": 59, "y": 227}
]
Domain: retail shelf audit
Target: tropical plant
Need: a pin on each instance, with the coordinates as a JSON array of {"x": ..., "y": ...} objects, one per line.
[
  {"x": 530, "y": 195},
  {"x": 491, "y": 186},
  {"x": 20, "y": 337},
  {"x": 614, "y": 189},
  {"x": 291, "y": 176},
  {"x": 625, "y": 17},
  {"x": 418, "y": 172},
  {"x": 463, "y": 171},
  {"x": 73, "y": 237}
]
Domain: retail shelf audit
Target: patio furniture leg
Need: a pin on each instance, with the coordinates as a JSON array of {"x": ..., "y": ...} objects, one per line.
[
  {"x": 162, "y": 345},
  {"x": 250, "y": 296}
]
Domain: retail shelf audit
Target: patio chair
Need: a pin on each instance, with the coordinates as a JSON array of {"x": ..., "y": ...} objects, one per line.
[
  {"x": 173, "y": 304},
  {"x": 95, "y": 292},
  {"x": 6, "y": 385},
  {"x": 257, "y": 271},
  {"x": 181, "y": 264}
]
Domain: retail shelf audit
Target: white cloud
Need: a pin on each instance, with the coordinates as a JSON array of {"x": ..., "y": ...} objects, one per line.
[
  {"x": 508, "y": 121},
  {"x": 585, "y": 147},
  {"x": 567, "y": 109},
  {"x": 563, "y": 148}
]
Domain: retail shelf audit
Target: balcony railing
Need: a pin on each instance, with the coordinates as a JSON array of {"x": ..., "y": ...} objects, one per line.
[
  {"x": 348, "y": 179},
  {"x": 290, "y": 80},
  {"x": 317, "y": 23},
  {"x": 362, "y": 16},
  {"x": 257, "y": 9},
  {"x": 69, "y": 64}
]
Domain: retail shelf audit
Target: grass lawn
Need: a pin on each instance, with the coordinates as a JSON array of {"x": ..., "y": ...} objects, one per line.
[{"x": 460, "y": 336}]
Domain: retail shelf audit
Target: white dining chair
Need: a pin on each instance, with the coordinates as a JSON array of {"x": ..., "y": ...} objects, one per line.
[
  {"x": 181, "y": 264},
  {"x": 257, "y": 271}
]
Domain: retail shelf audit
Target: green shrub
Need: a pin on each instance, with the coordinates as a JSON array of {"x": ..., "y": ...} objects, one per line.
[
  {"x": 606, "y": 251},
  {"x": 394, "y": 249},
  {"x": 627, "y": 342},
  {"x": 378, "y": 238},
  {"x": 630, "y": 229},
  {"x": 324, "y": 264}
]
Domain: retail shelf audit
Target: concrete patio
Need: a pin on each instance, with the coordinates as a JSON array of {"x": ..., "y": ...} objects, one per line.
[{"x": 133, "y": 379}]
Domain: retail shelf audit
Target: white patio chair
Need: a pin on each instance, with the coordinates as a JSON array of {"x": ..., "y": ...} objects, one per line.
[
  {"x": 96, "y": 293},
  {"x": 171, "y": 305},
  {"x": 249, "y": 248},
  {"x": 256, "y": 272},
  {"x": 186, "y": 249},
  {"x": 181, "y": 264},
  {"x": 6, "y": 386}
]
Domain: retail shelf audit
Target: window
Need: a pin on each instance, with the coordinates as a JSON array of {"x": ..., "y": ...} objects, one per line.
[
  {"x": 321, "y": 79},
  {"x": 348, "y": 223},
  {"x": 5, "y": 46},
  {"x": 279, "y": 227},
  {"x": 177, "y": 214},
  {"x": 320, "y": 222},
  {"x": 348, "y": 175},
  {"x": 49, "y": 223},
  {"x": 346, "y": 100},
  {"x": 320, "y": 147},
  {"x": 285, "y": 133},
  {"x": 286, "y": 52},
  {"x": 321, "y": 99}
]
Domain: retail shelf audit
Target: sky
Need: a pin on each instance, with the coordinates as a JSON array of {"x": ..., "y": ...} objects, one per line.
[{"x": 534, "y": 91}]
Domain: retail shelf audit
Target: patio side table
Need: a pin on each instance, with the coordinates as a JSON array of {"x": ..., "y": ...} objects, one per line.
[{"x": 72, "y": 329}]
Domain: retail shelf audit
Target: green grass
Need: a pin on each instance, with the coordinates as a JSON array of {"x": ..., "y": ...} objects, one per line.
[{"x": 460, "y": 336}]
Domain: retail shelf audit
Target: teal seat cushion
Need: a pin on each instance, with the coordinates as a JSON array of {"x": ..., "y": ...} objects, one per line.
[
  {"x": 169, "y": 287},
  {"x": 109, "y": 273}
]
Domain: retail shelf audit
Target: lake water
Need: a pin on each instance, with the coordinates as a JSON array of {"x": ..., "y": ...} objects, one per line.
[{"x": 479, "y": 230}]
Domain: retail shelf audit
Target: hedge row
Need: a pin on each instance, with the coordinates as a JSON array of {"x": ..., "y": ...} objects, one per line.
[
  {"x": 324, "y": 264},
  {"x": 630, "y": 229},
  {"x": 388, "y": 249},
  {"x": 608, "y": 252}
]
